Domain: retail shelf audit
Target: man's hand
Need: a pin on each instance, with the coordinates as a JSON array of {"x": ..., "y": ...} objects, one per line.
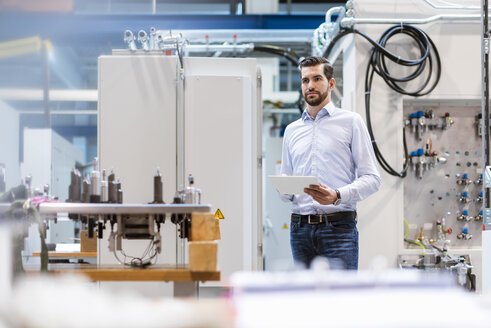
[{"x": 322, "y": 194}]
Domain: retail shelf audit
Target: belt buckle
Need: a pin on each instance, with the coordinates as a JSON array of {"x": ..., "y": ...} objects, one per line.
[{"x": 314, "y": 222}]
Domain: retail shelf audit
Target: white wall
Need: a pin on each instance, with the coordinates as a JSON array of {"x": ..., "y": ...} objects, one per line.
[
  {"x": 37, "y": 156},
  {"x": 9, "y": 144},
  {"x": 48, "y": 158}
]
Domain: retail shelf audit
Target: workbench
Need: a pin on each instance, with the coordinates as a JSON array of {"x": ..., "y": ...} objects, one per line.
[{"x": 186, "y": 282}]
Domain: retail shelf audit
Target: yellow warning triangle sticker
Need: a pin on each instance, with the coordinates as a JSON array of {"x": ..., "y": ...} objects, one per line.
[
  {"x": 219, "y": 215},
  {"x": 285, "y": 226}
]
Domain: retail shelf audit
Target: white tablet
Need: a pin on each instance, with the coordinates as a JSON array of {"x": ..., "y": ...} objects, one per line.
[{"x": 292, "y": 185}]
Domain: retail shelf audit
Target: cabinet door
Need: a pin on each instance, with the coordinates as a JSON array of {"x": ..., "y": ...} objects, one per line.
[
  {"x": 219, "y": 153},
  {"x": 137, "y": 134}
]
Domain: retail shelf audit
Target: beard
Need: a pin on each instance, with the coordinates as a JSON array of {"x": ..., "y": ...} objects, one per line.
[{"x": 317, "y": 100}]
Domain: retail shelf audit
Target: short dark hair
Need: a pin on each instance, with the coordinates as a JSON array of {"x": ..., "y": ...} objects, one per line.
[{"x": 314, "y": 61}]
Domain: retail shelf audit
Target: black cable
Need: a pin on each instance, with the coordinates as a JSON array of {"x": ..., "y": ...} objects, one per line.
[
  {"x": 377, "y": 64},
  {"x": 437, "y": 248},
  {"x": 289, "y": 55}
]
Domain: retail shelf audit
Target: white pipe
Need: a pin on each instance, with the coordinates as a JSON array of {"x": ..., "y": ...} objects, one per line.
[
  {"x": 350, "y": 21},
  {"x": 241, "y": 48},
  {"x": 221, "y": 47},
  {"x": 332, "y": 11},
  {"x": 319, "y": 39}
]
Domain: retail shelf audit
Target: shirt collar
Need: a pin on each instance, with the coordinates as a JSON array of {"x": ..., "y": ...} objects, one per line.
[{"x": 329, "y": 109}]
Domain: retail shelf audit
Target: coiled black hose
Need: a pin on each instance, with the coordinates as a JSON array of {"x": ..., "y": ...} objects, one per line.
[{"x": 377, "y": 64}]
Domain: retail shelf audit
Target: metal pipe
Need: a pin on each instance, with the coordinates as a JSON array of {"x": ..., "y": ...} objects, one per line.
[
  {"x": 246, "y": 35},
  {"x": 259, "y": 181},
  {"x": 180, "y": 145},
  {"x": 351, "y": 21},
  {"x": 240, "y": 48},
  {"x": 180, "y": 117}
]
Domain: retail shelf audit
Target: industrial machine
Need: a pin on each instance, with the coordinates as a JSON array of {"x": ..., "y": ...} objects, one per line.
[
  {"x": 160, "y": 107},
  {"x": 98, "y": 203}
]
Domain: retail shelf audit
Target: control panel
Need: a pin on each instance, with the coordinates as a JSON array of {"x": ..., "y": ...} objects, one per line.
[{"x": 443, "y": 189}]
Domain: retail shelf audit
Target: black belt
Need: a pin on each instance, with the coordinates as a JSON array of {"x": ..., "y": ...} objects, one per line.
[{"x": 321, "y": 218}]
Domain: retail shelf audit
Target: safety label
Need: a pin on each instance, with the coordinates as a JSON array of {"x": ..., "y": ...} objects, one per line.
[{"x": 219, "y": 215}]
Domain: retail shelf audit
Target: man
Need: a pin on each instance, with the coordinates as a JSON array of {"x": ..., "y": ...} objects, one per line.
[{"x": 333, "y": 145}]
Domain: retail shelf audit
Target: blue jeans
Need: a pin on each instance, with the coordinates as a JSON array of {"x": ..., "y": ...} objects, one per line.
[{"x": 337, "y": 241}]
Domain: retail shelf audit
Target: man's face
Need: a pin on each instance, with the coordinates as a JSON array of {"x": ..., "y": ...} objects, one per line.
[{"x": 315, "y": 86}]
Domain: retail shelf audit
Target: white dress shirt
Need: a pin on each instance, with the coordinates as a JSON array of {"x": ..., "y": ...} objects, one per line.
[{"x": 336, "y": 148}]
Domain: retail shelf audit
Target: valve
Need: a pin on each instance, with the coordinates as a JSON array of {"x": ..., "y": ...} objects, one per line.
[
  {"x": 418, "y": 161},
  {"x": 447, "y": 230},
  {"x": 479, "y": 180},
  {"x": 129, "y": 39},
  {"x": 144, "y": 40},
  {"x": 447, "y": 121},
  {"x": 418, "y": 123},
  {"x": 465, "y": 235},
  {"x": 465, "y": 197},
  {"x": 479, "y": 199},
  {"x": 432, "y": 160},
  {"x": 464, "y": 216},
  {"x": 441, "y": 233},
  {"x": 441, "y": 229},
  {"x": 479, "y": 217},
  {"x": 421, "y": 235},
  {"x": 464, "y": 181}
]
